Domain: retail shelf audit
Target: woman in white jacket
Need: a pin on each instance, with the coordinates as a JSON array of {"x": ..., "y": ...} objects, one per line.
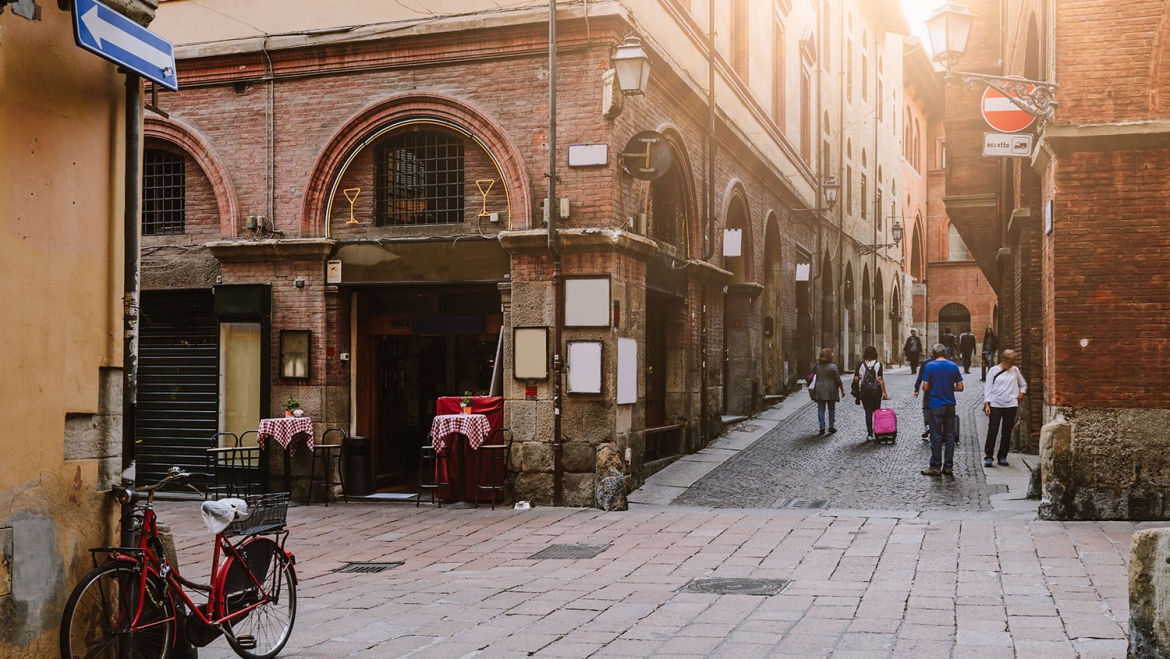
[{"x": 1001, "y": 398}]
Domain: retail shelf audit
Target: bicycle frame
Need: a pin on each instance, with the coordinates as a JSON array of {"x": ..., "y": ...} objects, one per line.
[{"x": 148, "y": 559}]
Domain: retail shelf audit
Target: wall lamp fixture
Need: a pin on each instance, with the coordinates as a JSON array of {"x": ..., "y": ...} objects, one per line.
[
  {"x": 830, "y": 188},
  {"x": 949, "y": 27},
  {"x": 630, "y": 74},
  {"x": 862, "y": 250}
]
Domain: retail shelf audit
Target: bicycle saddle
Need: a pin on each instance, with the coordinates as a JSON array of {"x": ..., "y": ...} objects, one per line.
[{"x": 217, "y": 515}]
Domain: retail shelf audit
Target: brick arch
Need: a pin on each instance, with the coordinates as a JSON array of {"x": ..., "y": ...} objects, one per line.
[
  {"x": 415, "y": 106},
  {"x": 734, "y": 192},
  {"x": 197, "y": 146},
  {"x": 694, "y": 230}
]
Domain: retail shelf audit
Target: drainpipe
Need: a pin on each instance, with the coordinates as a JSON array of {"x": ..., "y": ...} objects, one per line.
[
  {"x": 133, "y": 128},
  {"x": 708, "y": 238},
  {"x": 554, "y": 251}
]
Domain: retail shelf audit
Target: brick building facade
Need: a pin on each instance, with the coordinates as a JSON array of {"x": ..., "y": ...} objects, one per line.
[
  {"x": 1070, "y": 240},
  {"x": 287, "y": 136}
]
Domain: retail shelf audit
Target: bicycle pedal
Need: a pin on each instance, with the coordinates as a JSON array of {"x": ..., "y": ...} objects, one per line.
[{"x": 246, "y": 642}]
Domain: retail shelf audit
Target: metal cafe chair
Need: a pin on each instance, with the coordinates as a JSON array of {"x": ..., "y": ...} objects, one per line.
[
  {"x": 329, "y": 455},
  {"x": 432, "y": 473},
  {"x": 233, "y": 469},
  {"x": 497, "y": 454}
]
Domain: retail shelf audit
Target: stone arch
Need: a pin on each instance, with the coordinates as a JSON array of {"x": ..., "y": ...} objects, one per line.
[
  {"x": 686, "y": 174},
  {"x": 192, "y": 142},
  {"x": 848, "y": 318},
  {"x": 866, "y": 308},
  {"x": 399, "y": 109},
  {"x": 737, "y": 215},
  {"x": 896, "y": 320}
]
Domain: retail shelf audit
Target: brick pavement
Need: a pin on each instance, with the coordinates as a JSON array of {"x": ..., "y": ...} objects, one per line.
[
  {"x": 864, "y": 587},
  {"x": 792, "y": 461}
]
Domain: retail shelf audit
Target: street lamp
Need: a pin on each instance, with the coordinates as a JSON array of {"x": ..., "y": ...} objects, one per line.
[
  {"x": 870, "y": 249},
  {"x": 830, "y": 188},
  {"x": 949, "y": 27},
  {"x": 632, "y": 65}
]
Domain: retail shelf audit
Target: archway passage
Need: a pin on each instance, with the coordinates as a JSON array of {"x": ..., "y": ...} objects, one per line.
[
  {"x": 774, "y": 376},
  {"x": 866, "y": 310},
  {"x": 953, "y": 317}
]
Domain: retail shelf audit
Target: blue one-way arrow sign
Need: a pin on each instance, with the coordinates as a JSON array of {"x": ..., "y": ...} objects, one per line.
[{"x": 110, "y": 35}]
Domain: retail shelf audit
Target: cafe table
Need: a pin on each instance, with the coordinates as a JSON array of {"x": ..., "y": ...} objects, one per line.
[
  {"x": 447, "y": 434},
  {"x": 286, "y": 430}
]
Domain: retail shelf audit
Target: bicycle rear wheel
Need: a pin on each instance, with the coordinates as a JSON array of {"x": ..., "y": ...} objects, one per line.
[
  {"x": 261, "y": 632},
  {"x": 102, "y": 607}
]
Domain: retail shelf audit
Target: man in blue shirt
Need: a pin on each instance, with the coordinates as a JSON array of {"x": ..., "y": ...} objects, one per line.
[{"x": 941, "y": 378}]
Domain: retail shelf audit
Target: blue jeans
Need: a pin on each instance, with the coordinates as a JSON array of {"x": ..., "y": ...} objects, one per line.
[
  {"x": 870, "y": 407},
  {"x": 942, "y": 428},
  {"x": 832, "y": 407}
]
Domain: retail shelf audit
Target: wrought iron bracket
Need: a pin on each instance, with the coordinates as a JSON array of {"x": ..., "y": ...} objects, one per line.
[
  {"x": 864, "y": 250},
  {"x": 1036, "y": 97}
]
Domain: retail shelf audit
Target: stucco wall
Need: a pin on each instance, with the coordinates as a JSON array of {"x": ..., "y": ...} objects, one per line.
[{"x": 60, "y": 260}]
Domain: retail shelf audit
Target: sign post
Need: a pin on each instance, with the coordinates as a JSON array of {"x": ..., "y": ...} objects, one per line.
[{"x": 111, "y": 36}]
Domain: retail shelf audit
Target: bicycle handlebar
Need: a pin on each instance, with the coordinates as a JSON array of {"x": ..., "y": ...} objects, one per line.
[{"x": 128, "y": 494}]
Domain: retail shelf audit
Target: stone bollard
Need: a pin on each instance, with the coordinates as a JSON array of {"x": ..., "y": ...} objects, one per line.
[
  {"x": 1149, "y": 595},
  {"x": 1056, "y": 469}
]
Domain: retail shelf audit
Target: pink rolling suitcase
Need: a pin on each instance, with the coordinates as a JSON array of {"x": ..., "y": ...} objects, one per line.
[{"x": 885, "y": 425}]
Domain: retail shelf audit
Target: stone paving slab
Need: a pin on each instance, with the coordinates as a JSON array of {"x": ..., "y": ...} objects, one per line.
[{"x": 863, "y": 586}]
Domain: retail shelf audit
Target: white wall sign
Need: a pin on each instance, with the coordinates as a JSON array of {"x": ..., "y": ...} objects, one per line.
[
  {"x": 802, "y": 270},
  {"x": 587, "y": 302},
  {"x": 588, "y": 155},
  {"x": 333, "y": 272},
  {"x": 627, "y": 375},
  {"x": 584, "y": 364},
  {"x": 530, "y": 353},
  {"x": 733, "y": 242}
]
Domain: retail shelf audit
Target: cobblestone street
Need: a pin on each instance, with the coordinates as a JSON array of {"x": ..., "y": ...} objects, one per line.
[{"x": 793, "y": 462}]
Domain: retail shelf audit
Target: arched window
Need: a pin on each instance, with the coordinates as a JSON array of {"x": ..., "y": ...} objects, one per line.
[
  {"x": 956, "y": 248},
  {"x": 418, "y": 179},
  {"x": 953, "y": 317},
  {"x": 164, "y": 192},
  {"x": 668, "y": 208}
]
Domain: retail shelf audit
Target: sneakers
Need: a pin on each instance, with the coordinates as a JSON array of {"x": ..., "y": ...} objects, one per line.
[
  {"x": 926, "y": 434},
  {"x": 948, "y": 472},
  {"x": 931, "y": 472},
  {"x": 988, "y": 463},
  {"x": 1002, "y": 463},
  {"x": 832, "y": 431},
  {"x": 869, "y": 437},
  {"x": 822, "y": 431}
]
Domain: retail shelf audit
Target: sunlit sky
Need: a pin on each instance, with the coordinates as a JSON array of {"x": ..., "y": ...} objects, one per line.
[{"x": 917, "y": 11}]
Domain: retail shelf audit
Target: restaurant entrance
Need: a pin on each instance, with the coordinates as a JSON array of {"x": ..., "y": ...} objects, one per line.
[{"x": 422, "y": 343}]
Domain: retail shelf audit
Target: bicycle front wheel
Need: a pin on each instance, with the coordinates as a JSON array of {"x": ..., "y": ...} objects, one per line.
[
  {"x": 262, "y": 631},
  {"x": 113, "y": 605}
]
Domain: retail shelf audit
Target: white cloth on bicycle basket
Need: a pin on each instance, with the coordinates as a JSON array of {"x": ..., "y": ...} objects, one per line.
[{"x": 217, "y": 515}]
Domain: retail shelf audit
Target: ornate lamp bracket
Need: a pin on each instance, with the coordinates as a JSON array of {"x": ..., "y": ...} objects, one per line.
[{"x": 1036, "y": 97}]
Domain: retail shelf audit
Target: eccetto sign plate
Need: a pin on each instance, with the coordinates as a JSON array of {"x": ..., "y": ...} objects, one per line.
[{"x": 1002, "y": 145}]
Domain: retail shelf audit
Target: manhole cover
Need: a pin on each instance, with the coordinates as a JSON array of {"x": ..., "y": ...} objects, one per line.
[
  {"x": 569, "y": 551},
  {"x": 367, "y": 568},
  {"x": 806, "y": 503},
  {"x": 719, "y": 586}
]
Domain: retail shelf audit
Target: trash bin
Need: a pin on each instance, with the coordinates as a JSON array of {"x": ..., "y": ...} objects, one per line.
[{"x": 356, "y": 464}]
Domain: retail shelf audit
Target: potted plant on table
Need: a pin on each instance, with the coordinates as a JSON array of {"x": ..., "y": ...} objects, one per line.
[
  {"x": 466, "y": 402},
  {"x": 291, "y": 404}
]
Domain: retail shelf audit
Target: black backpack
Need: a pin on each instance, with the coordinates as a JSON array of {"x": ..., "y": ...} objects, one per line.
[{"x": 870, "y": 387}]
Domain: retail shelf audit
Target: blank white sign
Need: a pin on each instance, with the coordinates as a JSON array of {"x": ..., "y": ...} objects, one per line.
[
  {"x": 733, "y": 242},
  {"x": 627, "y": 375},
  {"x": 585, "y": 367},
  {"x": 587, "y": 302}
]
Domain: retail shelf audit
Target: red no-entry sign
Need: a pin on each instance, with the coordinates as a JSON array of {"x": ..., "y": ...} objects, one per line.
[{"x": 1003, "y": 115}]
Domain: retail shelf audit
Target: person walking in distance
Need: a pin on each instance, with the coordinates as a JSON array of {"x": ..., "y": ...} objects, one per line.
[
  {"x": 913, "y": 350},
  {"x": 871, "y": 386},
  {"x": 990, "y": 346},
  {"x": 824, "y": 391},
  {"x": 966, "y": 348},
  {"x": 948, "y": 341},
  {"x": 941, "y": 378},
  {"x": 1001, "y": 399}
]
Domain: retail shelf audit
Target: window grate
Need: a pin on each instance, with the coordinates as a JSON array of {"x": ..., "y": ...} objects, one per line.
[
  {"x": 802, "y": 504},
  {"x": 419, "y": 179},
  {"x": 164, "y": 193},
  {"x": 731, "y": 586}
]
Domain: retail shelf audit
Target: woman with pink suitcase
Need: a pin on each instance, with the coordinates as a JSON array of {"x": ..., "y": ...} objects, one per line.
[{"x": 870, "y": 384}]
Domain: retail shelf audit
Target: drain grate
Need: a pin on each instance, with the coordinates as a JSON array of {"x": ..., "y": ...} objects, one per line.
[
  {"x": 719, "y": 586},
  {"x": 367, "y": 568},
  {"x": 569, "y": 551},
  {"x": 804, "y": 504}
]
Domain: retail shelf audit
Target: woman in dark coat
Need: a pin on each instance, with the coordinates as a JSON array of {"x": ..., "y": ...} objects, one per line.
[{"x": 825, "y": 390}]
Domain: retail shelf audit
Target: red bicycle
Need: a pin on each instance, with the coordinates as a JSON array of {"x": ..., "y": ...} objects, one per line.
[{"x": 134, "y": 603}]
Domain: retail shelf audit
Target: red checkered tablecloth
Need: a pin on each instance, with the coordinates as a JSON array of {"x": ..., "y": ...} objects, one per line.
[
  {"x": 446, "y": 426},
  {"x": 285, "y": 430}
]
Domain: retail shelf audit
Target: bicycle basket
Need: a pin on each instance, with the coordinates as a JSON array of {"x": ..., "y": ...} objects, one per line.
[{"x": 266, "y": 513}]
